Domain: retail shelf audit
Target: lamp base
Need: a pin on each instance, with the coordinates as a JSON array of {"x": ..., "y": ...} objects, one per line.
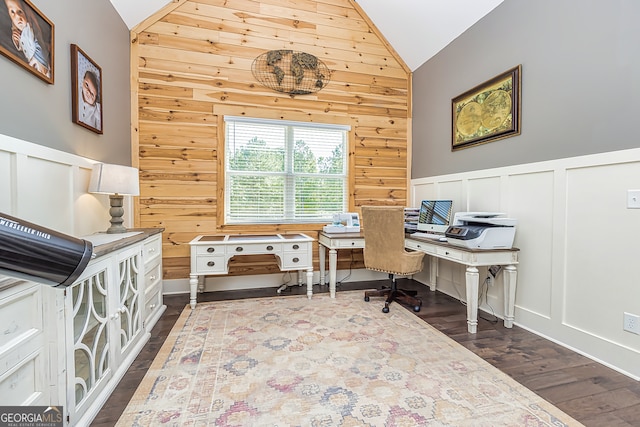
[{"x": 116, "y": 211}]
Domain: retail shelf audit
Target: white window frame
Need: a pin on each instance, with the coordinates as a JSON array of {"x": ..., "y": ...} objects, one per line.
[{"x": 288, "y": 216}]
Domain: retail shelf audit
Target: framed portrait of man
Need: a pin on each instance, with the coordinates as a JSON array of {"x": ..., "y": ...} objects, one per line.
[
  {"x": 86, "y": 91},
  {"x": 26, "y": 37}
]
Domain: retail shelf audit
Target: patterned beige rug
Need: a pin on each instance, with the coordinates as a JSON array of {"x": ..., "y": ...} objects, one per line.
[{"x": 290, "y": 361}]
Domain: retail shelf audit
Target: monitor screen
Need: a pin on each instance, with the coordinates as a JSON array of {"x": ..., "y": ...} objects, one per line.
[{"x": 435, "y": 215}]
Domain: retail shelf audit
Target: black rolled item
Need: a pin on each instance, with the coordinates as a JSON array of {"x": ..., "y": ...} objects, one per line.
[{"x": 29, "y": 251}]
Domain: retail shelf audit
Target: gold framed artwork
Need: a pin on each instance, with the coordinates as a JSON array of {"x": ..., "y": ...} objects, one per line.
[
  {"x": 488, "y": 112},
  {"x": 26, "y": 38}
]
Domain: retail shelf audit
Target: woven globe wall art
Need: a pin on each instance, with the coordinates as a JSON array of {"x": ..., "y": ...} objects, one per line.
[{"x": 294, "y": 73}]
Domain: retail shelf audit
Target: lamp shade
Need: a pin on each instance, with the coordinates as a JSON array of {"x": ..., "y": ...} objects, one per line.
[{"x": 114, "y": 179}]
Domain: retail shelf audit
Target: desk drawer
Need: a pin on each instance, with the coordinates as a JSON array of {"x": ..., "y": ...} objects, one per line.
[
  {"x": 296, "y": 247},
  {"x": 20, "y": 317},
  {"x": 450, "y": 253},
  {"x": 294, "y": 261},
  {"x": 152, "y": 249},
  {"x": 254, "y": 248},
  {"x": 348, "y": 243},
  {"x": 25, "y": 381},
  {"x": 419, "y": 246},
  {"x": 153, "y": 301},
  {"x": 153, "y": 274},
  {"x": 211, "y": 264},
  {"x": 209, "y": 249}
]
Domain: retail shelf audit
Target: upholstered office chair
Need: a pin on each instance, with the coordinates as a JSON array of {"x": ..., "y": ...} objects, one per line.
[{"x": 383, "y": 228}]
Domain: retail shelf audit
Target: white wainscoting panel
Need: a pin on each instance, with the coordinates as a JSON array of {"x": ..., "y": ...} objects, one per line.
[
  {"x": 578, "y": 248},
  {"x": 49, "y": 188},
  {"x": 5, "y": 181}
]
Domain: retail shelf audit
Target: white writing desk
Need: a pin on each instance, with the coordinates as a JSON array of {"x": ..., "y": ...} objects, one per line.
[
  {"x": 471, "y": 258},
  {"x": 210, "y": 255}
]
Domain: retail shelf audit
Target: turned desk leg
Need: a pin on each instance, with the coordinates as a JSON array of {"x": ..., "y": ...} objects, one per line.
[
  {"x": 193, "y": 289},
  {"x": 333, "y": 267},
  {"x": 433, "y": 273},
  {"x": 472, "y": 281},
  {"x": 509, "y": 282},
  {"x": 322, "y": 255},
  {"x": 309, "y": 283}
]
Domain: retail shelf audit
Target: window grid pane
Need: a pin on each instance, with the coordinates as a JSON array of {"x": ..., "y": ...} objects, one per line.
[{"x": 284, "y": 173}]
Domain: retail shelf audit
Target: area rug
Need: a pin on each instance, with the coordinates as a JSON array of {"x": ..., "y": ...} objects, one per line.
[{"x": 291, "y": 361}]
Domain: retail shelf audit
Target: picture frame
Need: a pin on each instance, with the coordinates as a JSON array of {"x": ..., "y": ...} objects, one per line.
[
  {"x": 27, "y": 38},
  {"x": 488, "y": 112},
  {"x": 86, "y": 91}
]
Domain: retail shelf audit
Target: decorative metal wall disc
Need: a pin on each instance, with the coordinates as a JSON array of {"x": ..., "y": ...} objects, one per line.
[{"x": 295, "y": 73}]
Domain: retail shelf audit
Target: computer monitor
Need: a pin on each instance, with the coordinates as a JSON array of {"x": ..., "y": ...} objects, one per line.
[{"x": 434, "y": 216}]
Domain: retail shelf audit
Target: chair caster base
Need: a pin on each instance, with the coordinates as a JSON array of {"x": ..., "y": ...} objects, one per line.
[
  {"x": 416, "y": 308},
  {"x": 385, "y": 309},
  {"x": 366, "y": 298}
]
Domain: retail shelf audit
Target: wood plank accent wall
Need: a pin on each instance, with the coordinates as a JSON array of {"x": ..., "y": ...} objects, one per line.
[{"x": 191, "y": 65}]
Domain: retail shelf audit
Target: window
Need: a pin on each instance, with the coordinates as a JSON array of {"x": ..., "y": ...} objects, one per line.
[{"x": 284, "y": 172}]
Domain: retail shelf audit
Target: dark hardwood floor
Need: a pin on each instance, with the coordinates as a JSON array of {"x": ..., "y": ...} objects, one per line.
[{"x": 591, "y": 393}]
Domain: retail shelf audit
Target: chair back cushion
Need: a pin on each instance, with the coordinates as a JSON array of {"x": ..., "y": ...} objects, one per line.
[{"x": 383, "y": 228}]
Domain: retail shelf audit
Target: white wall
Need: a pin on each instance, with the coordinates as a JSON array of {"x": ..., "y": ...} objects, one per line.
[
  {"x": 577, "y": 244},
  {"x": 48, "y": 187}
]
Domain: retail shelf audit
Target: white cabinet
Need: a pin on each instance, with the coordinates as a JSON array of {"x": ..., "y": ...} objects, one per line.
[
  {"x": 23, "y": 355},
  {"x": 108, "y": 313},
  {"x": 71, "y": 346},
  {"x": 152, "y": 259}
]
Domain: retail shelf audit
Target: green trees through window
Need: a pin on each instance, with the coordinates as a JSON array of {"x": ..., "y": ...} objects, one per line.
[{"x": 284, "y": 172}]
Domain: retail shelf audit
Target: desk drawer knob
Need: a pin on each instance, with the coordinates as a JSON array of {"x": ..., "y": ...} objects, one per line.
[
  {"x": 211, "y": 263},
  {"x": 239, "y": 249},
  {"x": 296, "y": 259},
  {"x": 296, "y": 247},
  {"x": 269, "y": 248},
  {"x": 211, "y": 250}
]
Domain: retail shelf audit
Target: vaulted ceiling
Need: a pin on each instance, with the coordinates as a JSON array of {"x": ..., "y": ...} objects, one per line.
[{"x": 416, "y": 29}]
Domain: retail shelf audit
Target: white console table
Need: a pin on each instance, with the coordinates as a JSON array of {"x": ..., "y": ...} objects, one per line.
[
  {"x": 210, "y": 255},
  {"x": 334, "y": 242},
  {"x": 471, "y": 258}
]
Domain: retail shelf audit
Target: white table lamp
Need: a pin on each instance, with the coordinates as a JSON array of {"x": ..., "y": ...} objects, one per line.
[{"x": 116, "y": 181}]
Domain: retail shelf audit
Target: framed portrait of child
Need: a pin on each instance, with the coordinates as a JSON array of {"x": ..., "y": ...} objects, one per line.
[
  {"x": 26, "y": 37},
  {"x": 86, "y": 91}
]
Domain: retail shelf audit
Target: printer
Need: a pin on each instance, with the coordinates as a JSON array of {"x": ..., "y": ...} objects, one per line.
[
  {"x": 348, "y": 222},
  {"x": 481, "y": 230}
]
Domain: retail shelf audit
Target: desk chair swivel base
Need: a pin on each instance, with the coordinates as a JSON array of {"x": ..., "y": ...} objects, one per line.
[{"x": 393, "y": 293}]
